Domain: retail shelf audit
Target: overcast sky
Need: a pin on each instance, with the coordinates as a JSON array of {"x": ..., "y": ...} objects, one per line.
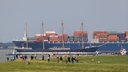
[{"x": 97, "y": 15}]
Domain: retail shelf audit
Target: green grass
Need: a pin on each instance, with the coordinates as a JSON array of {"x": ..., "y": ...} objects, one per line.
[{"x": 86, "y": 64}]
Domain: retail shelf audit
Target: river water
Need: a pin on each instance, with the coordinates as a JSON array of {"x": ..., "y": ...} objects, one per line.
[{"x": 3, "y": 54}]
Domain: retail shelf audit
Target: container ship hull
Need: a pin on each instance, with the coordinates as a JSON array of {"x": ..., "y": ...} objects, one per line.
[
  {"x": 74, "y": 47},
  {"x": 55, "y": 47}
]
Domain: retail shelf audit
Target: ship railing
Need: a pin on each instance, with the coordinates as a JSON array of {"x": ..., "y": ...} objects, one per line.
[
  {"x": 23, "y": 48},
  {"x": 57, "y": 53}
]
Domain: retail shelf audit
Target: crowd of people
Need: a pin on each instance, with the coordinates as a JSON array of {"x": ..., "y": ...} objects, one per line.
[
  {"x": 59, "y": 59},
  {"x": 67, "y": 60}
]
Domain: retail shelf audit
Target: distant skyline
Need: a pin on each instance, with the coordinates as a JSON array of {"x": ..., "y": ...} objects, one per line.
[{"x": 97, "y": 15}]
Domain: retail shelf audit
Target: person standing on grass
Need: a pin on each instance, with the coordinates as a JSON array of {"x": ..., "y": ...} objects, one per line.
[
  {"x": 49, "y": 55},
  {"x": 35, "y": 56},
  {"x": 72, "y": 60},
  {"x": 57, "y": 58},
  {"x": 76, "y": 59},
  {"x": 7, "y": 59},
  {"x": 61, "y": 59},
  {"x": 16, "y": 56},
  {"x": 31, "y": 57},
  {"x": 68, "y": 58},
  {"x": 25, "y": 57},
  {"x": 66, "y": 61},
  {"x": 42, "y": 57},
  {"x": 48, "y": 59},
  {"x": 22, "y": 57}
]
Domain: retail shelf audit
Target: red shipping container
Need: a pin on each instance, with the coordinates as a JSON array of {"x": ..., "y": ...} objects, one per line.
[
  {"x": 126, "y": 33},
  {"x": 100, "y": 33},
  {"x": 60, "y": 38},
  {"x": 65, "y": 35},
  {"x": 42, "y": 38},
  {"x": 65, "y": 38}
]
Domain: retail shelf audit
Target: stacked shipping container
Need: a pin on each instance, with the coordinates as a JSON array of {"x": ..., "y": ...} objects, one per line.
[
  {"x": 70, "y": 38},
  {"x": 53, "y": 38},
  {"x": 101, "y": 36},
  {"x": 63, "y": 37},
  {"x": 112, "y": 37},
  {"x": 40, "y": 37},
  {"x": 34, "y": 39},
  {"x": 122, "y": 37},
  {"x": 78, "y": 35},
  {"x": 98, "y": 36}
]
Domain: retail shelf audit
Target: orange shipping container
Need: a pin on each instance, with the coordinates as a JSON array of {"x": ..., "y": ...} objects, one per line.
[
  {"x": 126, "y": 35},
  {"x": 113, "y": 38},
  {"x": 48, "y": 34},
  {"x": 103, "y": 39},
  {"x": 79, "y": 35},
  {"x": 53, "y": 39},
  {"x": 100, "y": 33}
]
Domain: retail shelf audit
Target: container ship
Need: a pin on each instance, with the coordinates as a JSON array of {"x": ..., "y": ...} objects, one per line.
[{"x": 51, "y": 41}]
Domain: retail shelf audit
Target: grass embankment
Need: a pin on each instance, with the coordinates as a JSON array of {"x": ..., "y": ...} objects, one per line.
[{"x": 86, "y": 64}]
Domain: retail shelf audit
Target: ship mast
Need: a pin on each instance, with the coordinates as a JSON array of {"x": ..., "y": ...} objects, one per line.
[
  {"x": 26, "y": 36},
  {"x": 62, "y": 24},
  {"x": 43, "y": 35},
  {"x": 82, "y": 36}
]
